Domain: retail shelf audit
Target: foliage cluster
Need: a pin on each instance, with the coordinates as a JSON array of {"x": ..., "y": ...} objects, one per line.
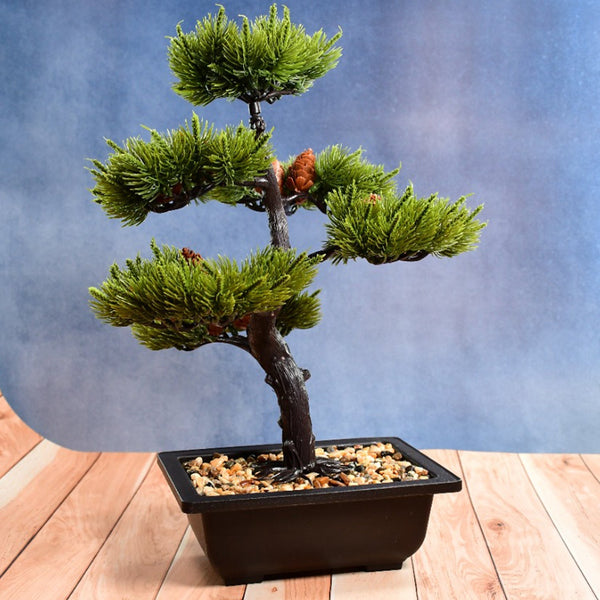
[
  {"x": 262, "y": 61},
  {"x": 172, "y": 301},
  {"x": 386, "y": 228},
  {"x": 178, "y": 167}
]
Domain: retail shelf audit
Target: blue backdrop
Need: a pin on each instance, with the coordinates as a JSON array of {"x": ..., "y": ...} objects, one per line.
[{"x": 496, "y": 349}]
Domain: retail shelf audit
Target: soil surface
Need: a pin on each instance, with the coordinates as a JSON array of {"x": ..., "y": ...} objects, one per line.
[{"x": 364, "y": 465}]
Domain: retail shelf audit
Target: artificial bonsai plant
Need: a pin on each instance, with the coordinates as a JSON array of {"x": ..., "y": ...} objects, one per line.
[{"x": 180, "y": 299}]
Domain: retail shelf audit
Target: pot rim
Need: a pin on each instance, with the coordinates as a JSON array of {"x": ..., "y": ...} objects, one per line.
[{"x": 440, "y": 479}]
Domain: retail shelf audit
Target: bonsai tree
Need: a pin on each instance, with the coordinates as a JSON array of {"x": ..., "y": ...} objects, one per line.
[{"x": 180, "y": 299}]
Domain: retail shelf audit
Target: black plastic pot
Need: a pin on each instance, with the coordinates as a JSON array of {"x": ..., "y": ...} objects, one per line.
[{"x": 251, "y": 537}]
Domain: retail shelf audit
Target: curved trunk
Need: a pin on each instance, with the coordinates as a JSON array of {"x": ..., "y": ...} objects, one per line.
[
  {"x": 287, "y": 380},
  {"x": 272, "y": 353}
]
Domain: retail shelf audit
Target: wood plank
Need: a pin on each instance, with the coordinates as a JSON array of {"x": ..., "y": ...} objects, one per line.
[
  {"x": 16, "y": 438},
  {"x": 136, "y": 556},
  {"x": 530, "y": 557},
  {"x": 300, "y": 588},
  {"x": 571, "y": 495},
  {"x": 191, "y": 576},
  {"x": 379, "y": 585},
  {"x": 58, "y": 556},
  {"x": 592, "y": 462},
  {"x": 454, "y": 561},
  {"x": 32, "y": 490}
]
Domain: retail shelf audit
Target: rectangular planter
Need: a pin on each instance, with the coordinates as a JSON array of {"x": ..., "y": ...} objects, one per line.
[{"x": 251, "y": 537}]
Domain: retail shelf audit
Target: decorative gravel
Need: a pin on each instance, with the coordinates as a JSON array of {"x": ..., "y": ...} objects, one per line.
[{"x": 376, "y": 463}]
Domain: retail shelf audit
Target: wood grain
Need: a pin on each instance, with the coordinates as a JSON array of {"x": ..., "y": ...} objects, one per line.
[
  {"x": 592, "y": 462},
  {"x": 530, "y": 556},
  {"x": 301, "y": 588},
  {"x": 138, "y": 552},
  {"x": 53, "y": 562},
  {"x": 454, "y": 539},
  {"x": 16, "y": 438},
  {"x": 191, "y": 577},
  {"x": 379, "y": 585},
  {"x": 571, "y": 496},
  {"x": 32, "y": 490}
]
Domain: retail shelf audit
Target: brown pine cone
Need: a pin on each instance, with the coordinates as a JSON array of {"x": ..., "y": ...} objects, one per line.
[
  {"x": 215, "y": 329},
  {"x": 301, "y": 175},
  {"x": 191, "y": 256},
  {"x": 373, "y": 199},
  {"x": 242, "y": 323}
]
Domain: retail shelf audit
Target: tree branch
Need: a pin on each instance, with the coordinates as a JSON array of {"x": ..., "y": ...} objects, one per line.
[
  {"x": 323, "y": 254},
  {"x": 163, "y": 204},
  {"x": 256, "y": 121},
  {"x": 415, "y": 256},
  {"x": 255, "y": 204},
  {"x": 239, "y": 341}
]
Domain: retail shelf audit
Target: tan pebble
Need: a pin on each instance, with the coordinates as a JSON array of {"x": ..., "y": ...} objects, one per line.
[
  {"x": 217, "y": 462},
  {"x": 345, "y": 478},
  {"x": 210, "y": 491},
  {"x": 198, "y": 461}
]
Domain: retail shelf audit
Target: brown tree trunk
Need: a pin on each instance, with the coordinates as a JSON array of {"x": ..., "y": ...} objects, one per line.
[
  {"x": 287, "y": 380},
  {"x": 272, "y": 353}
]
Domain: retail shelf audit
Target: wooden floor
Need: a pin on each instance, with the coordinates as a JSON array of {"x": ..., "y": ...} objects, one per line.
[{"x": 105, "y": 526}]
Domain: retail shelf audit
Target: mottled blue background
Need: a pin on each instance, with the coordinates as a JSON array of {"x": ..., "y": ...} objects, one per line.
[{"x": 496, "y": 349}]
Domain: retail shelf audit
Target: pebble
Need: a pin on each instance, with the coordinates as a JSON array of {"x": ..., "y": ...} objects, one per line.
[{"x": 376, "y": 463}]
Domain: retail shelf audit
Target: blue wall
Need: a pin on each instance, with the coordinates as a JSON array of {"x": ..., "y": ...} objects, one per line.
[{"x": 496, "y": 349}]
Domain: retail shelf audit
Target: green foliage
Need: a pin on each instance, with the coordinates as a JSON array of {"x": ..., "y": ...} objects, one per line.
[
  {"x": 301, "y": 311},
  {"x": 170, "y": 301},
  {"x": 387, "y": 228},
  {"x": 180, "y": 166},
  {"x": 262, "y": 60},
  {"x": 337, "y": 168}
]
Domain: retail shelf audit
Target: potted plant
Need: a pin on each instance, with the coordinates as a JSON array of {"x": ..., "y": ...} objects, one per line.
[{"x": 312, "y": 510}]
